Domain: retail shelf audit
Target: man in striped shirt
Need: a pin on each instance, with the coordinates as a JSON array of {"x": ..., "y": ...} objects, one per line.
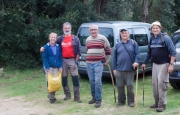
[{"x": 98, "y": 54}]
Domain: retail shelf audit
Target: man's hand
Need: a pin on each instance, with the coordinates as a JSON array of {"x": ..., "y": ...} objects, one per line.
[
  {"x": 135, "y": 65},
  {"x": 114, "y": 72},
  {"x": 76, "y": 61},
  {"x": 105, "y": 64},
  {"x": 41, "y": 49},
  {"x": 47, "y": 71},
  {"x": 60, "y": 70},
  {"x": 170, "y": 68},
  {"x": 143, "y": 66}
]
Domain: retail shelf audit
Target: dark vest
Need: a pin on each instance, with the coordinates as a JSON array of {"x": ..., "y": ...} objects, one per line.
[{"x": 160, "y": 55}]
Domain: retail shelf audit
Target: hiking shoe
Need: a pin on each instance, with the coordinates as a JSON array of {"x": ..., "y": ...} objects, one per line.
[
  {"x": 67, "y": 98},
  {"x": 153, "y": 106},
  {"x": 52, "y": 100},
  {"x": 161, "y": 108},
  {"x": 119, "y": 104},
  {"x": 131, "y": 104},
  {"x": 78, "y": 100},
  {"x": 97, "y": 105},
  {"x": 92, "y": 101}
]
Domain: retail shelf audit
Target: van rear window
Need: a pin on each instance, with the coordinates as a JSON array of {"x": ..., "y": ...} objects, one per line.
[{"x": 84, "y": 33}]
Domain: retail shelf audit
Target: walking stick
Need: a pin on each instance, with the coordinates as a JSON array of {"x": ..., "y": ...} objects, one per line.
[
  {"x": 136, "y": 96},
  {"x": 143, "y": 85},
  {"x": 112, "y": 83}
]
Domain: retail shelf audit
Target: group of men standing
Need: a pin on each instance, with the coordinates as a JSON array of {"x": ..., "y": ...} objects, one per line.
[{"x": 126, "y": 59}]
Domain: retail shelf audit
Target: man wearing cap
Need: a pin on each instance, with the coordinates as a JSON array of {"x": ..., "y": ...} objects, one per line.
[
  {"x": 125, "y": 59},
  {"x": 162, "y": 57}
]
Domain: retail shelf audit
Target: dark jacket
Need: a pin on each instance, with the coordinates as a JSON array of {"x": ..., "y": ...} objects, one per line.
[
  {"x": 51, "y": 60},
  {"x": 159, "y": 52},
  {"x": 76, "y": 44}
]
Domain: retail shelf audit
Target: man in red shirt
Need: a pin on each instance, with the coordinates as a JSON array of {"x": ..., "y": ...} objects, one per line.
[{"x": 71, "y": 51}]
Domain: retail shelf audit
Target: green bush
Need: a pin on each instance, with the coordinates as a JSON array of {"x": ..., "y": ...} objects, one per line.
[{"x": 25, "y": 25}]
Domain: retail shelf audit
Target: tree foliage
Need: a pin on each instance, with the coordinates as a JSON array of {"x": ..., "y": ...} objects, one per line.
[
  {"x": 161, "y": 10},
  {"x": 26, "y": 24}
]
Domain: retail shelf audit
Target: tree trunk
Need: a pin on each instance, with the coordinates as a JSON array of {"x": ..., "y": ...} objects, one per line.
[
  {"x": 99, "y": 6},
  {"x": 145, "y": 12}
]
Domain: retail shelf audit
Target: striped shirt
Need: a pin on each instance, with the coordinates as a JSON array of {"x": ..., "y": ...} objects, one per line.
[{"x": 98, "y": 49}]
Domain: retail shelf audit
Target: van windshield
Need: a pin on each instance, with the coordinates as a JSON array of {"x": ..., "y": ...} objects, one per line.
[{"x": 107, "y": 32}]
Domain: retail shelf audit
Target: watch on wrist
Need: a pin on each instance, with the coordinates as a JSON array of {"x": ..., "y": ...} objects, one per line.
[{"x": 171, "y": 63}]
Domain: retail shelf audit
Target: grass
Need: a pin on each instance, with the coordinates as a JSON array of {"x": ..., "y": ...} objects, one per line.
[{"x": 31, "y": 85}]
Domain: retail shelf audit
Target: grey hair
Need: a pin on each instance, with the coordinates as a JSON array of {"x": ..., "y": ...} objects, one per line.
[
  {"x": 67, "y": 23},
  {"x": 93, "y": 25},
  {"x": 53, "y": 33}
]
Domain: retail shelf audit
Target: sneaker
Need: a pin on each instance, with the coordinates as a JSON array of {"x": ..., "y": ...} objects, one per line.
[
  {"x": 97, "y": 105},
  {"x": 92, "y": 101}
]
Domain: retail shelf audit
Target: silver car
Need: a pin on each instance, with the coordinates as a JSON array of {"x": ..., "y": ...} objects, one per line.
[{"x": 174, "y": 77}]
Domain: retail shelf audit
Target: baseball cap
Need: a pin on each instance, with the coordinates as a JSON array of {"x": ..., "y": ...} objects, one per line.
[{"x": 124, "y": 29}]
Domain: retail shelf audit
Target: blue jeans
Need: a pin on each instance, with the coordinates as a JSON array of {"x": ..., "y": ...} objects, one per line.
[{"x": 95, "y": 77}]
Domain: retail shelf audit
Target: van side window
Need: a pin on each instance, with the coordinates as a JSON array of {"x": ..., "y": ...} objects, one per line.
[
  {"x": 139, "y": 34},
  {"x": 141, "y": 39},
  {"x": 107, "y": 32}
]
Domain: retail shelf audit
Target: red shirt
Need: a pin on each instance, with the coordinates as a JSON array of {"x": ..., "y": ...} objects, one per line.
[{"x": 67, "y": 47}]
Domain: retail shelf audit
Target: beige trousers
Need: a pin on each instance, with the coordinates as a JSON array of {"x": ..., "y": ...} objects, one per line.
[{"x": 160, "y": 80}]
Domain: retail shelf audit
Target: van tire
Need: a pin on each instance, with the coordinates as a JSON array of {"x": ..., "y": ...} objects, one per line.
[
  {"x": 83, "y": 76},
  {"x": 175, "y": 85}
]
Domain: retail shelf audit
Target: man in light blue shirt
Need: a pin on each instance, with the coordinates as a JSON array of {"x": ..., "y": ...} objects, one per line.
[{"x": 126, "y": 58}]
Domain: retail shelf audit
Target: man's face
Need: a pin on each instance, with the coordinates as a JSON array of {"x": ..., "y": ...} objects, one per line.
[
  {"x": 93, "y": 31},
  {"x": 124, "y": 35},
  {"x": 67, "y": 29},
  {"x": 156, "y": 29}
]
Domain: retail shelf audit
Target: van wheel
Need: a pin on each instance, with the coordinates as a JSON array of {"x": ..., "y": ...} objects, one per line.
[
  {"x": 175, "y": 85},
  {"x": 83, "y": 76}
]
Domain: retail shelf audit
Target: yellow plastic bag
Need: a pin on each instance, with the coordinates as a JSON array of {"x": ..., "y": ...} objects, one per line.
[{"x": 54, "y": 82}]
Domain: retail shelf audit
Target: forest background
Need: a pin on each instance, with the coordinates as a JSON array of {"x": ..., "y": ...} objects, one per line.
[{"x": 26, "y": 24}]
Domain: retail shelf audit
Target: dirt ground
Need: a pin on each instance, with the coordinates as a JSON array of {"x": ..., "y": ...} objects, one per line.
[
  {"x": 18, "y": 106},
  {"x": 21, "y": 106}
]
